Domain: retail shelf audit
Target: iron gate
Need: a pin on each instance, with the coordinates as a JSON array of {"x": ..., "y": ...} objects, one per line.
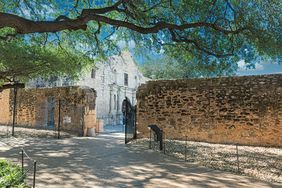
[{"x": 129, "y": 120}]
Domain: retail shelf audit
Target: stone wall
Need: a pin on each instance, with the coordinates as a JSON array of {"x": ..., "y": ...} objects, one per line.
[
  {"x": 237, "y": 110},
  {"x": 5, "y": 106},
  {"x": 39, "y": 108}
]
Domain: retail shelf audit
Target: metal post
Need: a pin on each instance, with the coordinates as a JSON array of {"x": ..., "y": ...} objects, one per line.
[
  {"x": 22, "y": 161},
  {"x": 82, "y": 120},
  {"x": 14, "y": 111},
  {"x": 135, "y": 120},
  {"x": 150, "y": 144},
  {"x": 125, "y": 121},
  {"x": 59, "y": 119},
  {"x": 186, "y": 148},
  {"x": 164, "y": 143},
  {"x": 34, "y": 173},
  {"x": 237, "y": 153},
  {"x": 161, "y": 140}
]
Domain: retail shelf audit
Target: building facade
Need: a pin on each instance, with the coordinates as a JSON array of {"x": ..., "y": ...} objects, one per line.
[{"x": 113, "y": 80}]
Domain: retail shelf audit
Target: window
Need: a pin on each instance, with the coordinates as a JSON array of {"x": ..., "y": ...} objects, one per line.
[
  {"x": 103, "y": 78},
  {"x": 125, "y": 79},
  {"x": 52, "y": 81},
  {"x": 110, "y": 103},
  {"x": 93, "y": 73},
  {"x": 115, "y": 75},
  {"x": 115, "y": 102},
  {"x": 136, "y": 83},
  {"x": 118, "y": 93}
]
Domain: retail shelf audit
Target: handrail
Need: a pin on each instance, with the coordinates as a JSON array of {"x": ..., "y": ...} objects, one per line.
[{"x": 34, "y": 166}]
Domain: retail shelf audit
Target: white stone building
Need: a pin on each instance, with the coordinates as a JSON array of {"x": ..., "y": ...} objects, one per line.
[{"x": 113, "y": 80}]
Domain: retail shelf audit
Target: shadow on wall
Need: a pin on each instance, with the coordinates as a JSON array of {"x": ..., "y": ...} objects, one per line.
[{"x": 70, "y": 109}]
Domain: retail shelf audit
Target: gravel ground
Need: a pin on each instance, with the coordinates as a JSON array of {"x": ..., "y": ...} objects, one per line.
[
  {"x": 261, "y": 162},
  {"x": 21, "y": 132}
]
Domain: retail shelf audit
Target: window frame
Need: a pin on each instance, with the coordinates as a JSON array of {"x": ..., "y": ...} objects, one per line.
[
  {"x": 125, "y": 75},
  {"x": 93, "y": 73}
]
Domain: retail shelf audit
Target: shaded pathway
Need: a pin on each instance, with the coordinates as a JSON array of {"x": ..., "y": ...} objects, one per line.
[{"x": 105, "y": 161}]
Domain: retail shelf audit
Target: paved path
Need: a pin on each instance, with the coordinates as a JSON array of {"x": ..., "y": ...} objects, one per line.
[{"x": 105, "y": 161}]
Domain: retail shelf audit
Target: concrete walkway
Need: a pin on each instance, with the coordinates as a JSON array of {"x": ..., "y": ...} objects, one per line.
[{"x": 105, "y": 161}]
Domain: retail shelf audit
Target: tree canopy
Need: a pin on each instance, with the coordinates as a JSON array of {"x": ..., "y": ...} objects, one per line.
[
  {"x": 20, "y": 62},
  {"x": 23, "y": 62},
  {"x": 214, "y": 32},
  {"x": 179, "y": 68}
]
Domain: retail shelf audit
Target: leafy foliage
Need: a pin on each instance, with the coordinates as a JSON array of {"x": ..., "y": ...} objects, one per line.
[
  {"x": 20, "y": 61},
  {"x": 10, "y": 174},
  {"x": 202, "y": 35},
  {"x": 183, "y": 67}
]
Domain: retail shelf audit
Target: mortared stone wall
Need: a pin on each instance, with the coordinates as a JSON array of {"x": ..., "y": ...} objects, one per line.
[
  {"x": 243, "y": 110},
  {"x": 39, "y": 108}
]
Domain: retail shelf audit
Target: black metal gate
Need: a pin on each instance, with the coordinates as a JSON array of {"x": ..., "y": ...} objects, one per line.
[{"x": 129, "y": 120}]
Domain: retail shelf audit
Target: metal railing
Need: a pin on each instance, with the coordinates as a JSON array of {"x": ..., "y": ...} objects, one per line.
[
  {"x": 49, "y": 128},
  {"x": 28, "y": 165},
  {"x": 262, "y": 162},
  {"x": 25, "y": 156}
]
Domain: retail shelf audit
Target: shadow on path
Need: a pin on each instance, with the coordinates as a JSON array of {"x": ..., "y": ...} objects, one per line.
[{"x": 105, "y": 161}]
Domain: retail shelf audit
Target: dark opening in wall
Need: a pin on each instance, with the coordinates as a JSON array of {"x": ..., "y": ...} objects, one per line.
[
  {"x": 115, "y": 102},
  {"x": 93, "y": 73},
  {"x": 125, "y": 79}
]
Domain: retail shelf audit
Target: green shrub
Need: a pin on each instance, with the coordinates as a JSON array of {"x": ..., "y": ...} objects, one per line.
[{"x": 10, "y": 175}]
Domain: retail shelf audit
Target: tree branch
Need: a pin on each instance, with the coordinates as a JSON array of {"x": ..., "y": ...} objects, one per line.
[
  {"x": 100, "y": 15},
  {"x": 199, "y": 47},
  {"x": 12, "y": 85},
  {"x": 25, "y": 26}
]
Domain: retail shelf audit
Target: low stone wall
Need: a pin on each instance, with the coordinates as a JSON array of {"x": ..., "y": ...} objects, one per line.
[
  {"x": 40, "y": 108},
  {"x": 237, "y": 110},
  {"x": 5, "y": 110}
]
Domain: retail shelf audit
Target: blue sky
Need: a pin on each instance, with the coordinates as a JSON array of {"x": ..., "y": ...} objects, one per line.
[{"x": 261, "y": 68}]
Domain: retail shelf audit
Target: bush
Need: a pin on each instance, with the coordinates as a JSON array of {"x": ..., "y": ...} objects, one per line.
[{"x": 10, "y": 175}]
